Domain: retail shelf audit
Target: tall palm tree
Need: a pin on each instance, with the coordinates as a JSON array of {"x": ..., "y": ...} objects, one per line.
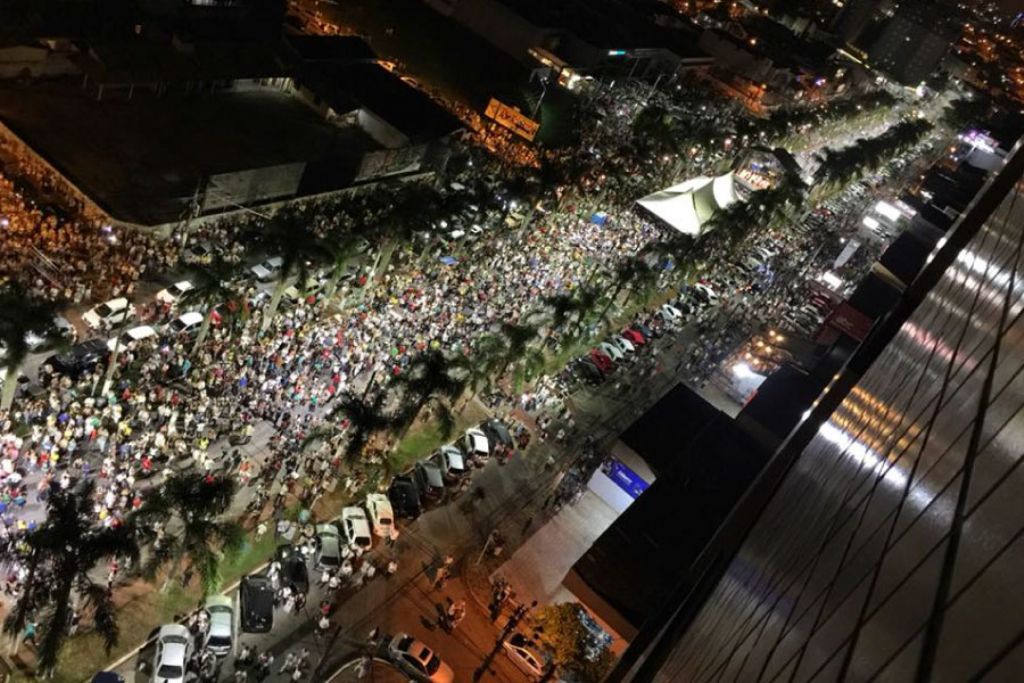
[
  {"x": 290, "y": 238},
  {"x": 433, "y": 378},
  {"x": 367, "y": 417},
  {"x": 189, "y": 507},
  {"x": 19, "y": 316},
  {"x": 62, "y": 553},
  {"x": 413, "y": 204},
  {"x": 212, "y": 288},
  {"x": 341, "y": 254}
]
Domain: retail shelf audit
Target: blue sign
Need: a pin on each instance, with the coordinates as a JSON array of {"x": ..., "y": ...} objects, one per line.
[
  {"x": 599, "y": 218},
  {"x": 625, "y": 478}
]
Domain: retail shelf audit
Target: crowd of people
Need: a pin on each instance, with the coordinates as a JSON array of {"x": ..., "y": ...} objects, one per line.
[{"x": 172, "y": 408}]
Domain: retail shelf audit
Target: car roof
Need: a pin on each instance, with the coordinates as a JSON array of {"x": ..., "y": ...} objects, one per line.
[
  {"x": 119, "y": 302},
  {"x": 218, "y": 601},
  {"x": 191, "y": 318},
  {"x": 173, "y": 630},
  {"x": 141, "y": 332}
]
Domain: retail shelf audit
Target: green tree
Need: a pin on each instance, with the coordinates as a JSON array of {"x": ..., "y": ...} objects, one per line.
[
  {"x": 572, "y": 646},
  {"x": 212, "y": 288},
  {"x": 61, "y": 555},
  {"x": 189, "y": 508},
  {"x": 20, "y": 316},
  {"x": 431, "y": 378},
  {"x": 289, "y": 238}
]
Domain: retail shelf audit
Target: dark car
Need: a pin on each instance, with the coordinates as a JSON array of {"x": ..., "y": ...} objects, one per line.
[
  {"x": 498, "y": 436},
  {"x": 587, "y": 370},
  {"x": 107, "y": 677},
  {"x": 293, "y": 568},
  {"x": 79, "y": 359},
  {"x": 256, "y": 602},
  {"x": 429, "y": 481},
  {"x": 405, "y": 497}
]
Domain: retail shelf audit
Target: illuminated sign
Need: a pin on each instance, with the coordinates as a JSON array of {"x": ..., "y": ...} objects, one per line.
[{"x": 511, "y": 118}]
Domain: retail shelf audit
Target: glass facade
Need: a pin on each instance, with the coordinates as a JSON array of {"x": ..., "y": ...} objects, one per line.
[{"x": 892, "y": 548}]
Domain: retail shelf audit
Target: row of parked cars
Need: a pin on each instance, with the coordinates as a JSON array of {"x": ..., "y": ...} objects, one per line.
[{"x": 432, "y": 480}]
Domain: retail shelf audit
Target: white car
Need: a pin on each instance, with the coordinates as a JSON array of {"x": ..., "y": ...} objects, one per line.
[
  {"x": 186, "y": 323},
  {"x": 452, "y": 463},
  {"x": 268, "y": 270},
  {"x": 382, "y": 517},
  {"x": 220, "y": 638},
  {"x": 61, "y": 326},
  {"x": 525, "y": 656},
  {"x": 418, "y": 660},
  {"x": 109, "y": 314},
  {"x": 173, "y": 650},
  {"x": 171, "y": 295},
  {"x": 135, "y": 334},
  {"x": 613, "y": 352},
  {"x": 623, "y": 345},
  {"x": 477, "y": 446},
  {"x": 670, "y": 313},
  {"x": 355, "y": 527},
  {"x": 705, "y": 294}
]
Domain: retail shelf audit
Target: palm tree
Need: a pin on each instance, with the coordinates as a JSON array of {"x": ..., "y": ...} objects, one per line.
[
  {"x": 290, "y": 238},
  {"x": 62, "y": 553},
  {"x": 191, "y": 505},
  {"x": 367, "y": 416},
  {"x": 341, "y": 255},
  {"x": 212, "y": 289},
  {"x": 430, "y": 379},
  {"x": 20, "y": 316},
  {"x": 413, "y": 204}
]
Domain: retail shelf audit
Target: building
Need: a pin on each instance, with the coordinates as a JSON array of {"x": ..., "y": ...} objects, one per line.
[
  {"x": 914, "y": 41},
  {"x": 881, "y": 542},
  {"x": 856, "y": 17},
  {"x": 599, "y": 37}
]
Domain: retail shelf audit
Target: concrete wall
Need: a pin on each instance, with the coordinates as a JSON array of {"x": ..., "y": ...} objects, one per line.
[
  {"x": 380, "y": 130},
  {"x": 20, "y": 61}
]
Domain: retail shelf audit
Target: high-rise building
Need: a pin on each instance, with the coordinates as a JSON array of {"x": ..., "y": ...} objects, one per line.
[
  {"x": 885, "y": 538},
  {"x": 914, "y": 40}
]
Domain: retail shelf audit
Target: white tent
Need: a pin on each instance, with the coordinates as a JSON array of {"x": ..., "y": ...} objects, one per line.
[{"x": 686, "y": 207}]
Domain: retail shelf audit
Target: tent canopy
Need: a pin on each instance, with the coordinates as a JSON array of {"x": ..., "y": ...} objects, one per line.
[{"x": 686, "y": 207}]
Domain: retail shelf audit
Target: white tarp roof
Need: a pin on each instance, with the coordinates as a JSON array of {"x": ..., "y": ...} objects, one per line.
[{"x": 688, "y": 206}]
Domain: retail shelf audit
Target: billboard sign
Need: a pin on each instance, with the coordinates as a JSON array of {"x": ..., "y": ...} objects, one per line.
[{"x": 512, "y": 119}]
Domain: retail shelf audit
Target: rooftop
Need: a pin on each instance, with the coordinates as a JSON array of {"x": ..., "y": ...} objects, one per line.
[{"x": 142, "y": 159}]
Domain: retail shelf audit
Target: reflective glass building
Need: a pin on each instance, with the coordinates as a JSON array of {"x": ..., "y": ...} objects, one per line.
[{"x": 885, "y": 541}]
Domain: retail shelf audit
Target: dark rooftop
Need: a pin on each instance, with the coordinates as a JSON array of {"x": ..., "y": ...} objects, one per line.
[{"x": 341, "y": 49}]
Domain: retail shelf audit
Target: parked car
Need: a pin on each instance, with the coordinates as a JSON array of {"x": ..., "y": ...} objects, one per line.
[
  {"x": 186, "y": 323},
  {"x": 452, "y": 464},
  {"x": 587, "y": 370},
  {"x": 107, "y": 677},
  {"x": 498, "y": 436},
  {"x": 418, "y": 660},
  {"x": 429, "y": 481},
  {"x": 477, "y": 447},
  {"x": 135, "y": 334},
  {"x": 525, "y": 656},
  {"x": 173, "y": 650},
  {"x": 634, "y": 336},
  {"x": 267, "y": 270},
  {"x": 256, "y": 604},
  {"x": 382, "y": 517},
  {"x": 171, "y": 294},
  {"x": 405, "y": 497},
  {"x": 79, "y": 359},
  {"x": 355, "y": 528},
  {"x": 109, "y": 314},
  {"x": 624, "y": 345},
  {"x": 671, "y": 314},
  {"x": 328, "y": 552},
  {"x": 64, "y": 330},
  {"x": 612, "y": 351},
  {"x": 220, "y": 637},
  {"x": 602, "y": 360},
  {"x": 293, "y": 568},
  {"x": 198, "y": 252}
]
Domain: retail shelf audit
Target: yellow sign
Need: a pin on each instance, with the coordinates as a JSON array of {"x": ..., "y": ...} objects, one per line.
[{"x": 511, "y": 118}]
